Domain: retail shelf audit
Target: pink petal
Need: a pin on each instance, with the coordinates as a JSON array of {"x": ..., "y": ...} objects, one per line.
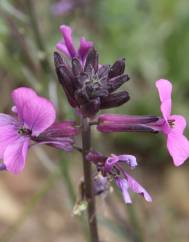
[
  {"x": 67, "y": 35},
  {"x": 164, "y": 88},
  {"x": 85, "y": 45},
  {"x": 110, "y": 162},
  {"x": 64, "y": 143},
  {"x": 8, "y": 135},
  {"x": 113, "y": 159},
  {"x": 63, "y": 129},
  {"x": 61, "y": 47},
  {"x": 137, "y": 188},
  {"x": 15, "y": 155},
  {"x": 6, "y": 119},
  {"x": 128, "y": 159},
  {"x": 178, "y": 147},
  {"x": 123, "y": 186},
  {"x": 36, "y": 113},
  {"x": 166, "y": 109},
  {"x": 179, "y": 123}
]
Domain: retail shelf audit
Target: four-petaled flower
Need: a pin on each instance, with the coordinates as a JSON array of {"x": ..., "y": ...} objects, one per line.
[
  {"x": 33, "y": 120},
  {"x": 172, "y": 125},
  {"x": 113, "y": 166}
]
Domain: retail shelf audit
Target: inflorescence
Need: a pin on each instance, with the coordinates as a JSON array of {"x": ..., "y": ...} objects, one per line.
[{"x": 89, "y": 87}]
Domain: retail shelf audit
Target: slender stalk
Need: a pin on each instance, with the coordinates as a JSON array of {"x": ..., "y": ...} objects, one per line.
[
  {"x": 38, "y": 38},
  {"x": 86, "y": 138}
]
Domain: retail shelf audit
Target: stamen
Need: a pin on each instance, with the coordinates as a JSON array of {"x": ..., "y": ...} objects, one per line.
[
  {"x": 24, "y": 131},
  {"x": 171, "y": 123}
]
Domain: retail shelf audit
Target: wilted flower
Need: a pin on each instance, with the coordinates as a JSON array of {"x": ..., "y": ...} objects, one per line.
[
  {"x": 91, "y": 87},
  {"x": 172, "y": 125},
  {"x": 113, "y": 167},
  {"x": 108, "y": 123},
  {"x": 33, "y": 120},
  {"x": 67, "y": 46},
  {"x": 100, "y": 184}
]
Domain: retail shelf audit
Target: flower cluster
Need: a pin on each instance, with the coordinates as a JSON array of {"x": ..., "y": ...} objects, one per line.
[{"x": 89, "y": 88}]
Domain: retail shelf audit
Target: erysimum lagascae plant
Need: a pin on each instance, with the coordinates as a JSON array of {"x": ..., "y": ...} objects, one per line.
[{"x": 90, "y": 87}]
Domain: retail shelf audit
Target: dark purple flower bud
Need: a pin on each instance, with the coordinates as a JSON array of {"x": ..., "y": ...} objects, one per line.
[
  {"x": 58, "y": 61},
  {"x": 65, "y": 78},
  {"x": 76, "y": 67},
  {"x": 117, "y": 68},
  {"x": 91, "y": 61},
  {"x": 127, "y": 119},
  {"x": 114, "y": 100},
  {"x": 103, "y": 72},
  {"x": 58, "y": 135},
  {"x": 114, "y": 83},
  {"x": 126, "y": 123}
]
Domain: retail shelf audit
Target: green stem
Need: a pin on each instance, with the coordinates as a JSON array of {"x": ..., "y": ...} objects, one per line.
[
  {"x": 86, "y": 143},
  {"x": 38, "y": 38},
  {"x": 135, "y": 223},
  {"x": 64, "y": 166}
]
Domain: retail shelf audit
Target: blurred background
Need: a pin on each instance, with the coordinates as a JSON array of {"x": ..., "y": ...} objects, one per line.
[{"x": 153, "y": 36}]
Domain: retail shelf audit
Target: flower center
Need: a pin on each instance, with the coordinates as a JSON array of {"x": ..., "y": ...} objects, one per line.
[
  {"x": 171, "y": 123},
  {"x": 24, "y": 131}
]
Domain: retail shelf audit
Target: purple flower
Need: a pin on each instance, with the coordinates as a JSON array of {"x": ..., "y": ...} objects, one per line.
[
  {"x": 172, "y": 125},
  {"x": 33, "y": 120},
  {"x": 91, "y": 87},
  {"x": 126, "y": 123},
  {"x": 67, "y": 46},
  {"x": 113, "y": 166}
]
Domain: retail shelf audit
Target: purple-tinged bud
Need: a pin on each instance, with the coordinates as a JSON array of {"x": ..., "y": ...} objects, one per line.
[
  {"x": 117, "y": 68},
  {"x": 65, "y": 78},
  {"x": 58, "y": 135},
  {"x": 116, "y": 82},
  {"x": 126, "y": 123},
  {"x": 91, "y": 61},
  {"x": 103, "y": 71},
  {"x": 58, "y": 61},
  {"x": 76, "y": 67},
  {"x": 127, "y": 119},
  {"x": 114, "y": 100}
]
